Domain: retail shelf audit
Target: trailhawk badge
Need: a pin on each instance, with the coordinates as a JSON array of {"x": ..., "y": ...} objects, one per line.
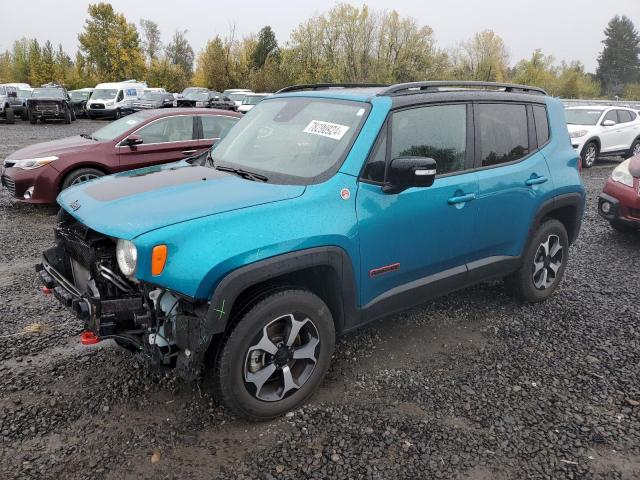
[{"x": 345, "y": 194}]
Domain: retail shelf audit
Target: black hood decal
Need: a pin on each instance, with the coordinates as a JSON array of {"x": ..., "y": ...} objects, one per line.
[{"x": 149, "y": 179}]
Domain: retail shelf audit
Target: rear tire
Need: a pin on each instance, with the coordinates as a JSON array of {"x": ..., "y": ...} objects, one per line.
[
  {"x": 589, "y": 154},
  {"x": 259, "y": 385},
  {"x": 10, "y": 117},
  {"x": 81, "y": 175},
  {"x": 543, "y": 264},
  {"x": 635, "y": 148}
]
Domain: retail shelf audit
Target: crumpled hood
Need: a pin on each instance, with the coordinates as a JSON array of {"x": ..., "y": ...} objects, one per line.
[
  {"x": 55, "y": 147},
  {"x": 129, "y": 204}
]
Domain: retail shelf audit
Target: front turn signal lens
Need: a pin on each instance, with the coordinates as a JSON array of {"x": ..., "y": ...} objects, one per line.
[{"x": 158, "y": 259}]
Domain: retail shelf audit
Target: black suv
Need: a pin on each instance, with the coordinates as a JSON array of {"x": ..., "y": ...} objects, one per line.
[{"x": 50, "y": 102}]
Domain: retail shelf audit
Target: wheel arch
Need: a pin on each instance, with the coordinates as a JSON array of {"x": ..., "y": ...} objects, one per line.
[
  {"x": 593, "y": 139},
  {"x": 325, "y": 271},
  {"x": 72, "y": 168},
  {"x": 567, "y": 208}
]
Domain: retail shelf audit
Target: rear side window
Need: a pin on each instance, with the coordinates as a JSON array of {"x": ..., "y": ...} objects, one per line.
[
  {"x": 624, "y": 116},
  {"x": 214, "y": 126},
  {"x": 542, "y": 124},
  {"x": 503, "y": 133},
  {"x": 438, "y": 132}
]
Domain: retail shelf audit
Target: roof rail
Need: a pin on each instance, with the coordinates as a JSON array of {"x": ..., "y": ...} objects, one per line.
[
  {"x": 422, "y": 87},
  {"x": 321, "y": 86}
]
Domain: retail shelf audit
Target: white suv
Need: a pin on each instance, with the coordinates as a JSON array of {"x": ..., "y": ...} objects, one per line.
[{"x": 600, "y": 130}]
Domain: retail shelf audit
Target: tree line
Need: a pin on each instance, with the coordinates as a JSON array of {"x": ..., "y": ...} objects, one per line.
[{"x": 343, "y": 44}]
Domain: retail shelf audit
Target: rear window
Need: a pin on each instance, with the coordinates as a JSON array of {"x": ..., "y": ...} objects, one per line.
[
  {"x": 503, "y": 133},
  {"x": 542, "y": 124}
]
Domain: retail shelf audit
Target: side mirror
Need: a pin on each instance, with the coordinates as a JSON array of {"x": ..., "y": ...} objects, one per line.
[
  {"x": 609, "y": 123},
  {"x": 407, "y": 172},
  {"x": 132, "y": 140}
]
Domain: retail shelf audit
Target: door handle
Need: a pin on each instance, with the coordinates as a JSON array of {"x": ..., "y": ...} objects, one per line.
[
  {"x": 462, "y": 199},
  {"x": 535, "y": 181},
  {"x": 188, "y": 152}
]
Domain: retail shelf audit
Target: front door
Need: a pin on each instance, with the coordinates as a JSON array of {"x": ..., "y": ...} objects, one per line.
[
  {"x": 421, "y": 235},
  {"x": 165, "y": 140}
]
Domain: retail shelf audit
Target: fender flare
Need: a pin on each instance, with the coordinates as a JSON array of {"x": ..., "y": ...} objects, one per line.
[
  {"x": 235, "y": 282},
  {"x": 573, "y": 199}
]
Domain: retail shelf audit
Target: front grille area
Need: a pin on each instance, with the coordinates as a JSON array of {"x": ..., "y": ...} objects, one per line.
[
  {"x": 9, "y": 184},
  {"x": 186, "y": 103},
  {"x": 48, "y": 108},
  {"x": 97, "y": 106}
]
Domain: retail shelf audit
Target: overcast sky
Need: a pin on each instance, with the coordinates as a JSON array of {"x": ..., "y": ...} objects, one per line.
[{"x": 566, "y": 29}]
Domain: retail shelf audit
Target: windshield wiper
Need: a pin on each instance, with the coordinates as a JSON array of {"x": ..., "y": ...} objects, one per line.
[
  {"x": 86, "y": 135},
  {"x": 243, "y": 173}
]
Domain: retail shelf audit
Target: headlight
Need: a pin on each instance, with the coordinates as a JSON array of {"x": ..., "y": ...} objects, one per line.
[
  {"x": 110, "y": 102},
  {"x": 31, "y": 163},
  {"x": 579, "y": 133},
  {"x": 621, "y": 174},
  {"x": 127, "y": 256}
]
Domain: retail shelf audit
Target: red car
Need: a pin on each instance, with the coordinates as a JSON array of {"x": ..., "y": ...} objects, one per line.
[
  {"x": 36, "y": 174},
  {"x": 619, "y": 202}
]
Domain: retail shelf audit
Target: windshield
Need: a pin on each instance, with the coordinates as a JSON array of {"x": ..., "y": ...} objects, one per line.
[
  {"x": 580, "y": 116},
  {"x": 253, "y": 99},
  {"x": 296, "y": 139},
  {"x": 79, "y": 95},
  {"x": 117, "y": 128},
  {"x": 104, "y": 94},
  {"x": 237, "y": 97},
  {"x": 198, "y": 96},
  {"x": 152, "y": 96},
  {"x": 48, "y": 93},
  {"x": 24, "y": 93}
]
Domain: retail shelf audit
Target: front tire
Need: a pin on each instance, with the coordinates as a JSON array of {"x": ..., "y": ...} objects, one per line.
[
  {"x": 10, "y": 117},
  {"x": 32, "y": 118},
  {"x": 81, "y": 175},
  {"x": 589, "y": 154},
  {"x": 67, "y": 116},
  {"x": 118, "y": 114},
  {"x": 543, "y": 264},
  {"x": 635, "y": 148},
  {"x": 276, "y": 355}
]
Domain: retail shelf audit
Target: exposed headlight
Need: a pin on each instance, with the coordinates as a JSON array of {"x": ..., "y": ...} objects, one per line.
[
  {"x": 31, "y": 163},
  {"x": 127, "y": 256},
  {"x": 621, "y": 174},
  {"x": 578, "y": 133}
]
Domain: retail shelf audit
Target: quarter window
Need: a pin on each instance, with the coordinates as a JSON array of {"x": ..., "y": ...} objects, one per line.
[
  {"x": 438, "y": 132},
  {"x": 503, "y": 133},
  {"x": 170, "y": 129},
  {"x": 214, "y": 126},
  {"x": 374, "y": 171},
  {"x": 542, "y": 124}
]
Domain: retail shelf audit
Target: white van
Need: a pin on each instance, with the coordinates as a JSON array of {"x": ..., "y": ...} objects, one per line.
[{"x": 114, "y": 99}]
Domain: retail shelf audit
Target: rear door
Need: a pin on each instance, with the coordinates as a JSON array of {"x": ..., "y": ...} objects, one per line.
[
  {"x": 610, "y": 137},
  {"x": 164, "y": 140},
  {"x": 629, "y": 128},
  {"x": 513, "y": 178},
  {"x": 213, "y": 128}
]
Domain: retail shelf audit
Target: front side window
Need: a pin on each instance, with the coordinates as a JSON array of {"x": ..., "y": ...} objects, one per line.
[
  {"x": 214, "y": 126},
  {"x": 120, "y": 96},
  {"x": 292, "y": 140},
  {"x": 611, "y": 115},
  {"x": 170, "y": 129},
  {"x": 438, "y": 132},
  {"x": 503, "y": 133}
]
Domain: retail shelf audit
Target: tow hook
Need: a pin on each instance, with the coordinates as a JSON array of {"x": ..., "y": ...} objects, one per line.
[
  {"x": 89, "y": 338},
  {"x": 46, "y": 290}
]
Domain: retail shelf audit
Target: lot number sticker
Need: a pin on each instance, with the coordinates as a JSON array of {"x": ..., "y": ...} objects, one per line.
[{"x": 326, "y": 129}]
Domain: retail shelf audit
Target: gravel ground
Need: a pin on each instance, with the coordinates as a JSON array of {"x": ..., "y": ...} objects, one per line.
[{"x": 472, "y": 386}]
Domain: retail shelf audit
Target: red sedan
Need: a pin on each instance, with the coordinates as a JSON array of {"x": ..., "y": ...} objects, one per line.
[
  {"x": 619, "y": 202},
  {"x": 36, "y": 174}
]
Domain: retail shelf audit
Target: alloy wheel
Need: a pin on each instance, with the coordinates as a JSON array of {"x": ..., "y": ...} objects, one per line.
[
  {"x": 636, "y": 150},
  {"x": 282, "y": 357},
  {"x": 590, "y": 155},
  {"x": 84, "y": 178},
  {"x": 547, "y": 262}
]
